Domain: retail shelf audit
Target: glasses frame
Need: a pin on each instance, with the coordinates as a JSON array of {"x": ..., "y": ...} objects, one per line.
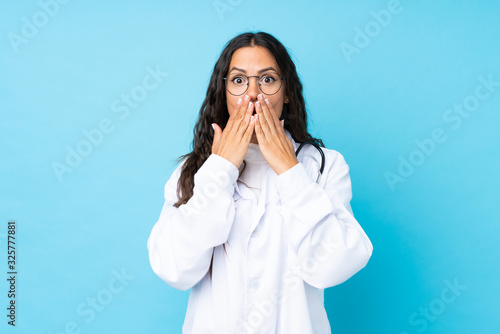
[{"x": 258, "y": 81}]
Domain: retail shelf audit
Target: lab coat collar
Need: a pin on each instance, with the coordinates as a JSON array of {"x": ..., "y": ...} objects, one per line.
[
  {"x": 268, "y": 194},
  {"x": 269, "y": 191}
]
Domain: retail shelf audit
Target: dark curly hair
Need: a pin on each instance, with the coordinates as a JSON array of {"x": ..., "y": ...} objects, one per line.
[{"x": 214, "y": 108}]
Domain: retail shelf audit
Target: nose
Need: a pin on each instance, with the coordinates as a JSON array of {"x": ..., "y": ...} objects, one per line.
[{"x": 253, "y": 89}]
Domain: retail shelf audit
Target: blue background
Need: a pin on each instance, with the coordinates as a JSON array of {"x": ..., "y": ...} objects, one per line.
[{"x": 436, "y": 226}]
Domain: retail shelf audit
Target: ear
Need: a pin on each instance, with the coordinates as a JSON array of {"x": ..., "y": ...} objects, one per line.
[{"x": 286, "y": 99}]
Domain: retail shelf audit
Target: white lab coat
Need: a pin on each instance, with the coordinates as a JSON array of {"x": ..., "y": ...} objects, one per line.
[{"x": 281, "y": 253}]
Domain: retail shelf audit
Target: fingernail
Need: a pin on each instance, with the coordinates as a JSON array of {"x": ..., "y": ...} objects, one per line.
[
  {"x": 251, "y": 118},
  {"x": 239, "y": 101},
  {"x": 282, "y": 123},
  {"x": 213, "y": 126},
  {"x": 247, "y": 98},
  {"x": 257, "y": 104},
  {"x": 267, "y": 101},
  {"x": 250, "y": 105},
  {"x": 261, "y": 97}
]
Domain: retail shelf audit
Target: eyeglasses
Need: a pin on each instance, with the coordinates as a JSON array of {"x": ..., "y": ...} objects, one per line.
[{"x": 269, "y": 83}]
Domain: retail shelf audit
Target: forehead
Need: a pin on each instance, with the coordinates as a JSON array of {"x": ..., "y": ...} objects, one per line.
[{"x": 253, "y": 59}]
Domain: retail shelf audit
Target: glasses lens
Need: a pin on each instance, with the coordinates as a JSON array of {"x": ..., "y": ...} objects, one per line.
[
  {"x": 236, "y": 83},
  {"x": 270, "y": 83}
]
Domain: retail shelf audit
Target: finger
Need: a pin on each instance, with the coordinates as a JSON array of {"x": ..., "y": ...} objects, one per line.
[
  {"x": 217, "y": 135},
  {"x": 278, "y": 128},
  {"x": 249, "y": 131},
  {"x": 231, "y": 119},
  {"x": 246, "y": 119},
  {"x": 217, "y": 131},
  {"x": 267, "y": 128},
  {"x": 240, "y": 105},
  {"x": 269, "y": 115},
  {"x": 243, "y": 107},
  {"x": 269, "y": 111},
  {"x": 274, "y": 124},
  {"x": 240, "y": 114},
  {"x": 261, "y": 137}
]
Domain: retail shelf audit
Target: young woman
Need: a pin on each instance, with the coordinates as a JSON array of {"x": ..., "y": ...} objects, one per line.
[{"x": 246, "y": 224}]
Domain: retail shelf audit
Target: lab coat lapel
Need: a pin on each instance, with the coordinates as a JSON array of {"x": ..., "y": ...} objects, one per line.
[
  {"x": 246, "y": 193},
  {"x": 268, "y": 193}
]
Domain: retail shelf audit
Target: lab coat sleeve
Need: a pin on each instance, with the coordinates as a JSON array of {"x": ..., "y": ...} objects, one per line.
[
  {"x": 181, "y": 242},
  {"x": 330, "y": 244}
]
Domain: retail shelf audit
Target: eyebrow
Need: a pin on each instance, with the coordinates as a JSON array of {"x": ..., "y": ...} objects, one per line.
[{"x": 260, "y": 71}]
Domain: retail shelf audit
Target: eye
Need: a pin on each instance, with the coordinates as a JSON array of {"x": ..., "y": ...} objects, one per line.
[
  {"x": 238, "y": 80},
  {"x": 268, "y": 79}
]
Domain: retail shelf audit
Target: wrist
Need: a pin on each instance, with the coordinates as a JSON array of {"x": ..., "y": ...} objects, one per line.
[{"x": 287, "y": 167}]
